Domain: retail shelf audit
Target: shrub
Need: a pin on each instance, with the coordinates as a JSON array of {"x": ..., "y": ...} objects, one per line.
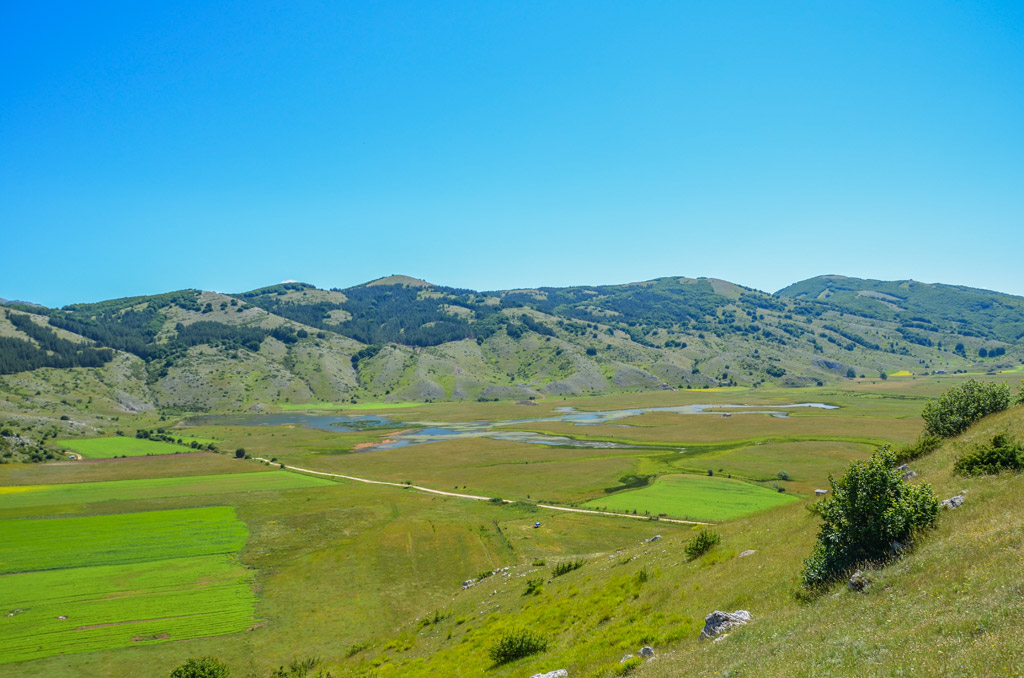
[
  {"x": 240, "y": 453},
  {"x": 869, "y": 510},
  {"x": 962, "y": 405},
  {"x": 516, "y": 644},
  {"x": 701, "y": 543},
  {"x": 534, "y": 587},
  {"x": 918, "y": 448},
  {"x": 565, "y": 567},
  {"x": 1003, "y": 453},
  {"x": 783, "y": 475},
  {"x": 201, "y": 667}
]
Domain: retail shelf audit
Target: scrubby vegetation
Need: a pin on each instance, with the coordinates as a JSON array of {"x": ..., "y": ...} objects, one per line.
[
  {"x": 201, "y": 667},
  {"x": 920, "y": 447},
  {"x": 1001, "y": 453},
  {"x": 566, "y": 566},
  {"x": 870, "y": 516},
  {"x": 516, "y": 644},
  {"x": 701, "y": 543}
]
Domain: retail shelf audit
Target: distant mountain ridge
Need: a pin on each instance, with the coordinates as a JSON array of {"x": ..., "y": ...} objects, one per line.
[{"x": 401, "y": 338}]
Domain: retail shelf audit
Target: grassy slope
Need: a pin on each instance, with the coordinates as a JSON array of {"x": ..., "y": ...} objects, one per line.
[
  {"x": 950, "y": 607},
  {"x": 694, "y": 498}
]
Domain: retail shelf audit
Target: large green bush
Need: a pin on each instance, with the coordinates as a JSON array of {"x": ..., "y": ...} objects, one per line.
[
  {"x": 1001, "y": 454},
  {"x": 201, "y": 667},
  {"x": 962, "y": 405},
  {"x": 871, "y": 509}
]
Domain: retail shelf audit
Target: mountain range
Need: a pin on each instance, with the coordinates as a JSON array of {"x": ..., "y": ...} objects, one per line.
[{"x": 400, "y": 338}]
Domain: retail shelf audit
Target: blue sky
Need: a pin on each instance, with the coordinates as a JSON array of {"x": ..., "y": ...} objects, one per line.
[{"x": 495, "y": 145}]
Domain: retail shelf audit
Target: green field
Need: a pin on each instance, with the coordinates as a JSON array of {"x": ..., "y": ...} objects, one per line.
[
  {"x": 22, "y": 496},
  {"x": 54, "y": 543},
  {"x": 120, "y": 446},
  {"x": 111, "y": 606},
  {"x": 696, "y": 498}
]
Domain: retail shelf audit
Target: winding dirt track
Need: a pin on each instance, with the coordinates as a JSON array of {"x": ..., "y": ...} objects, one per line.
[{"x": 475, "y": 497}]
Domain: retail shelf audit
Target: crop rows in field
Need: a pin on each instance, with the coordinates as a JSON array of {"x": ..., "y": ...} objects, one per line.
[
  {"x": 101, "y": 582},
  {"x": 695, "y": 497},
  {"x": 95, "y": 608},
  {"x": 46, "y": 544},
  {"x": 21, "y": 496},
  {"x": 119, "y": 446}
]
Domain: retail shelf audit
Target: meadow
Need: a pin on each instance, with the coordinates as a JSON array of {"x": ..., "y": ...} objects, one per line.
[
  {"x": 120, "y": 446},
  {"x": 369, "y": 578},
  {"x": 694, "y": 498}
]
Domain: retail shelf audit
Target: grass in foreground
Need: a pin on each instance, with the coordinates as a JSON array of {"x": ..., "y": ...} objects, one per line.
[{"x": 695, "y": 497}]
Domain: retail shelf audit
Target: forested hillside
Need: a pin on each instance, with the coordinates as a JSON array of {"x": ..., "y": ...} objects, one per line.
[{"x": 399, "y": 338}]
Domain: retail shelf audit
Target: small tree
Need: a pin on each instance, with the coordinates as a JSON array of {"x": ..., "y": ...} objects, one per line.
[
  {"x": 240, "y": 453},
  {"x": 701, "y": 543},
  {"x": 962, "y": 405},
  {"x": 201, "y": 667},
  {"x": 869, "y": 510}
]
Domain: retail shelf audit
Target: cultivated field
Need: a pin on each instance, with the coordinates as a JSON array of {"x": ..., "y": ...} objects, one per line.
[
  {"x": 86, "y": 609},
  {"x": 89, "y": 583},
  {"x": 55, "y": 543},
  {"x": 21, "y": 496},
  {"x": 119, "y": 446}
]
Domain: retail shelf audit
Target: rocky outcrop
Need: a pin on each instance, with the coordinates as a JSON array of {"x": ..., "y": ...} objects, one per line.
[
  {"x": 557, "y": 673},
  {"x": 858, "y": 582},
  {"x": 719, "y": 622}
]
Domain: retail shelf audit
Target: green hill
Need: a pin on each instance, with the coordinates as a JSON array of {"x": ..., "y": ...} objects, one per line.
[
  {"x": 928, "y": 309},
  {"x": 403, "y": 339}
]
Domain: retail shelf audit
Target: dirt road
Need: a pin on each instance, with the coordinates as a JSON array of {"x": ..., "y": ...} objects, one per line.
[{"x": 476, "y": 496}]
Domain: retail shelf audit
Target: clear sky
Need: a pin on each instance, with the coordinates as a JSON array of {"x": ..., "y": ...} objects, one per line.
[{"x": 146, "y": 147}]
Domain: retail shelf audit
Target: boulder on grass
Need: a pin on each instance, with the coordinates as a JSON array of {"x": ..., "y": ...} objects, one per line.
[
  {"x": 858, "y": 582},
  {"x": 719, "y": 622},
  {"x": 953, "y": 502}
]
